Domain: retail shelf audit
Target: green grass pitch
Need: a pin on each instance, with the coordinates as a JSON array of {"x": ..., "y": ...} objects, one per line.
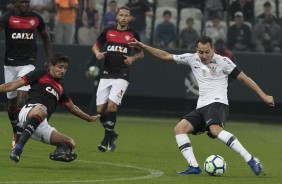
[{"x": 146, "y": 153}]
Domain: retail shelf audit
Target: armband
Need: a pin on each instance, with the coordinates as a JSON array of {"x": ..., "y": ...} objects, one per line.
[{"x": 235, "y": 72}]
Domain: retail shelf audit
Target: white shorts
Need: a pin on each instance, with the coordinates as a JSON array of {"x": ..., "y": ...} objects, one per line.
[
  {"x": 43, "y": 131},
  {"x": 13, "y": 73},
  {"x": 112, "y": 89}
]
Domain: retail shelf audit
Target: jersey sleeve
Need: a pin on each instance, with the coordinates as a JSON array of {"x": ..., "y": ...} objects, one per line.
[
  {"x": 33, "y": 76},
  {"x": 183, "y": 58},
  {"x": 41, "y": 26},
  {"x": 64, "y": 98},
  {"x": 228, "y": 65},
  {"x": 102, "y": 39}
]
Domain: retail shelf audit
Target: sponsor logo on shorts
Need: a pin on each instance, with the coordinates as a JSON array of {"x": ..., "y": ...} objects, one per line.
[{"x": 120, "y": 94}]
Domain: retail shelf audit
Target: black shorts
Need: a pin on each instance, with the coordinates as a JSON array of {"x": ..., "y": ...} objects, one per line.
[{"x": 202, "y": 118}]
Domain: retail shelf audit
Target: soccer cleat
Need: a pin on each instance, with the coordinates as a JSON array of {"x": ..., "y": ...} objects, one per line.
[
  {"x": 16, "y": 153},
  {"x": 63, "y": 157},
  {"x": 191, "y": 170},
  {"x": 112, "y": 143},
  {"x": 102, "y": 148},
  {"x": 255, "y": 165}
]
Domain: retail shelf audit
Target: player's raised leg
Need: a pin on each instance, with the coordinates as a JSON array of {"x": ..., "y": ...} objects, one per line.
[{"x": 231, "y": 141}]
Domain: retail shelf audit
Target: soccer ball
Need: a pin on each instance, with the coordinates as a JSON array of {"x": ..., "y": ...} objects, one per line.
[
  {"x": 94, "y": 71},
  {"x": 215, "y": 165}
]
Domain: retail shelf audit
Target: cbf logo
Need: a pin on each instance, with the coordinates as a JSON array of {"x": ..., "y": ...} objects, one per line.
[{"x": 191, "y": 84}]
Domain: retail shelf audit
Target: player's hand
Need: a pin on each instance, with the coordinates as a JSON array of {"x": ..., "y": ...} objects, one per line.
[
  {"x": 269, "y": 100},
  {"x": 129, "y": 59},
  {"x": 101, "y": 55},
  {"x": 94, "y": 118},
  {"x": 136, "y": 44}
]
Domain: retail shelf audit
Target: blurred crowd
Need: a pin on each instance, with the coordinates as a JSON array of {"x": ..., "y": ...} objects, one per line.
[{"x": 234, "y": 25}]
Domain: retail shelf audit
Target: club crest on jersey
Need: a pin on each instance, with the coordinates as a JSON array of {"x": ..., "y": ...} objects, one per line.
[
  {"x": 32, "y": 22},
  {"x": 115, "y": 48},
  {"x": 53, "y": 92},
  {"x": 127, "y": 37},
  {"x": 213, "y": 70},
  {"x": 23, "y": 36}
]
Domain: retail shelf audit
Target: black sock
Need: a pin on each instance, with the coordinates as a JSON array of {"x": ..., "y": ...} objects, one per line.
[
  {"x": 19, "y": 133},
  {"x": 109, "y": 125},
  {"x": 30, "y": 128},
  {"x": 13, "y": 116},
  {"x": 103, "y": 119},
  {"x": 111, "y": 121}
]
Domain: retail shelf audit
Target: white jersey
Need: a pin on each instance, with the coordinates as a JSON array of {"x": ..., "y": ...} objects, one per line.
[{"x": 212, "y": 78}]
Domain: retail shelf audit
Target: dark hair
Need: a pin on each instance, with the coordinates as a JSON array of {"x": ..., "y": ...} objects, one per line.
[
  {"x": 167, "y": 12},
  {"x": 58, "y": 58},
  {"x": 111, "y": 2},
  {"x": 204, "y": 40},
  {"x": 124, "y": 8},
  {"x": 215, "y": 17},
  {"x": 267, "y": 3},
  {"x": 189, "y": 19}
]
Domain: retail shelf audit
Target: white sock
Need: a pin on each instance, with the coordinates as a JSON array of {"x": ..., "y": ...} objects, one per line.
[
  {"x": 187, "y": 152},
  {"x": 231, "y": 141}
]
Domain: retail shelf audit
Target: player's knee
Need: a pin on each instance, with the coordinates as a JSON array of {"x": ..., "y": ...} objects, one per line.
[
  {"x": 215, "y": 129},
  {"x": 38, "y": 111},
  {"x": 178, "y": 129},
  {"x": 112, "y": 107},
  {"x": 101, "y": 109},
  {"x": 183, "y": 127}
]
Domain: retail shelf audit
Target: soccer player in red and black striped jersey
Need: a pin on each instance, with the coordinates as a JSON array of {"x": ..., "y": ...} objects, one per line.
[
  {"x": 114, "y": 78},
  {"x": 20, "y": 27},
  {"x": 46, "y": 92}
]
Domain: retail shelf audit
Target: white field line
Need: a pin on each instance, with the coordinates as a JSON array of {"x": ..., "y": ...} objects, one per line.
[{"x": 153, "y": 173}]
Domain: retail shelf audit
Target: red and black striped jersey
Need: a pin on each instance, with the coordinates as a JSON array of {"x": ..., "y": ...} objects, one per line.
[
  {"x": 20, "y": 33},
  {"x": 116, "y": 44},
  {"x": 45, "y": 90}
]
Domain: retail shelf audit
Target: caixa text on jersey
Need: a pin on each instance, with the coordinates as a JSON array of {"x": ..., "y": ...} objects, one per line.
[
  {"x": 115, "y": 48},
  {"x": 24, "y": 36}
]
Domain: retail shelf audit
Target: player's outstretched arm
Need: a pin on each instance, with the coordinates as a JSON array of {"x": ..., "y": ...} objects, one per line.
[
  {"x": 252, "y": 85},
  {"x": 11, "y": 86},
  {"x": 154, "y": 51},
  {"x": 46, "y": 44},
  {"x": 79, "y": 113}
]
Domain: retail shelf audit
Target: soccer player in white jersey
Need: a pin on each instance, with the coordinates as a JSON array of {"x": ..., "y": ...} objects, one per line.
[{"x": 211, "y": 72}]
